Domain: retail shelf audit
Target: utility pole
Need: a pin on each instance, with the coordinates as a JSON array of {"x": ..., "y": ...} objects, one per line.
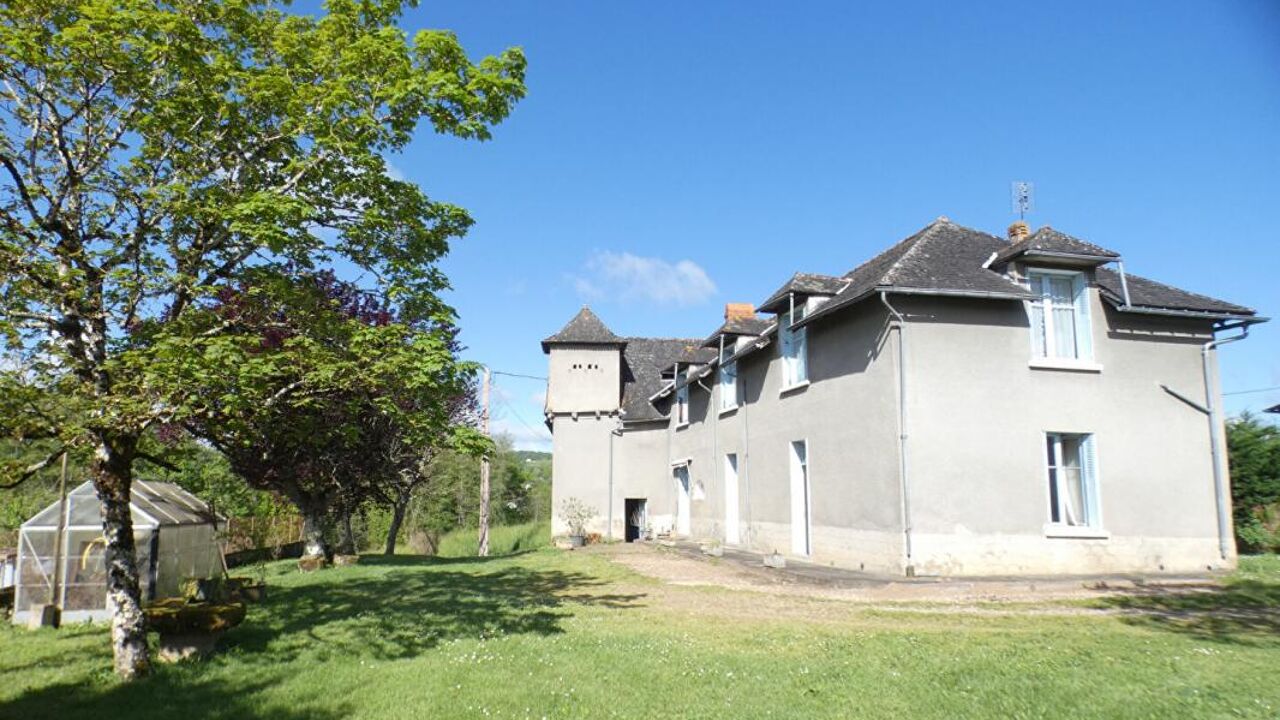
[
  {"x": 484, "y": 468},
  {"x": 59, "y": 562}
]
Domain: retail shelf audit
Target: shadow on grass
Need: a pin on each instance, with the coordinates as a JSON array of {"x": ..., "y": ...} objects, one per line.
[
  {"x": 386, "y": 608},
  {"x": 1242, "y": 612},
  {"x": 419, "y": 604},
  {"x": 170, "y": 693}
]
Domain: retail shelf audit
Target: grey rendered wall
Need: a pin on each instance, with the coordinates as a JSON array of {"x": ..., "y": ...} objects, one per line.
[
  {"x": 848, "y": 416},
  {"x": 580, "y": 465},
  {"x": 584, "y": 379},
  {"x": 978, "y": 414}
]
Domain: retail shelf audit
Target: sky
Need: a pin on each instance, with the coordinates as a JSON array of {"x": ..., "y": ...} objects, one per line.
[{"x": 672, "y": 156}]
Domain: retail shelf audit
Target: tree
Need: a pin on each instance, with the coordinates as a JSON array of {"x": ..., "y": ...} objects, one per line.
[
  {"x": 1253, "y": 449},
  {"x": 151, "y": 151},
  {"x": 307, "y": 384},
  {"x": 412, "y": 462}
]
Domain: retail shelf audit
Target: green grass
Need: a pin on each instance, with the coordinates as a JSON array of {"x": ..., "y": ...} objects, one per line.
[
  {"x": 570, "y": 635},
  {"x": 503, "y": 540}
]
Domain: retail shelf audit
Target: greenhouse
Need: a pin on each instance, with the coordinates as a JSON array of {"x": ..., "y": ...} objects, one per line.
[{"x": 176, "y": 535}]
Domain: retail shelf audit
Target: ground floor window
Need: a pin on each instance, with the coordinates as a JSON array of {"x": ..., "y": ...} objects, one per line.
[{"x": 1073, "y": 480}]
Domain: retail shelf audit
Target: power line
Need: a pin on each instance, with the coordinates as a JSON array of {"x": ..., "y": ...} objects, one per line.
[
  {"x": 1255, "y": 390},
  {"x": 521, "y": 420},
  {"x": 518, "y": 375}
]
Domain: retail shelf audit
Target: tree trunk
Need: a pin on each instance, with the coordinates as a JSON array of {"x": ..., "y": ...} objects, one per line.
[
  {"x": 112, "y": 471},
  {"x": 398, "y": 509},
  {"x": 313, "y": 541},
  {"x": 347, "y": 536}
]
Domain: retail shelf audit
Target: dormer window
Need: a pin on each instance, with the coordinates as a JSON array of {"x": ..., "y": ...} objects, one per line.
[
  {"x": 795, "y": 348},
  {"x": 1060, "y": 328},
  {"x": 682, "y": 405},
  {"x": 728, "y": 378}
]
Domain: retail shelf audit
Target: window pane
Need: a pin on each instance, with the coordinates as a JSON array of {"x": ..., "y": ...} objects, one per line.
[
  {"x": 1064, "y": 330},
  {"x": 1038, "y": 345}
]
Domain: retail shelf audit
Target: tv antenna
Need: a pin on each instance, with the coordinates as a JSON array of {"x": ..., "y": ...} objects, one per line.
[{"x": 1023, "y": 198}]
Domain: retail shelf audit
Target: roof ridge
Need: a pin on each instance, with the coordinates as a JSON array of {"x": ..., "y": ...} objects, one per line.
[{"x": 920, "y": 238}]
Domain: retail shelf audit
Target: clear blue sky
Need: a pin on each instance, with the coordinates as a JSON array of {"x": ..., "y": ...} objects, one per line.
[{"x": 733, "y": 143}]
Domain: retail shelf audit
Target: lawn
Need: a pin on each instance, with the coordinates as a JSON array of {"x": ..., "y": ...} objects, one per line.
[{"x": 555, "y": 634}]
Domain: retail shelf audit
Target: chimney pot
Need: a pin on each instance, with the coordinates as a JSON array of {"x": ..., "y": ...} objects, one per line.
[
  {"x": 739, "y": 311},
  {"x": 1019, "y": 230}
]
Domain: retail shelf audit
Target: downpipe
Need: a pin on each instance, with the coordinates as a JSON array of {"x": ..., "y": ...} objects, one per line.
[
  {"x": 903, "y": 475},
  {"x": 615, "y": 432},
  {"x": 1215, "y": 438}
]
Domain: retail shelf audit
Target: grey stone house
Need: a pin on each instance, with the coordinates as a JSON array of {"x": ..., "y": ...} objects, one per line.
[{"x": 960, "y": 404}]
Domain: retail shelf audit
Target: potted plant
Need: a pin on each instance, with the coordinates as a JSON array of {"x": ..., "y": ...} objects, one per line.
[{"x": 576, "y": 514}]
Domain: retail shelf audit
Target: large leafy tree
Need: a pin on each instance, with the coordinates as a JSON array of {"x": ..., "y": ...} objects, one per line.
[
  {"x": 152, "y": 150},
  {"x": 307, "y": 385}
]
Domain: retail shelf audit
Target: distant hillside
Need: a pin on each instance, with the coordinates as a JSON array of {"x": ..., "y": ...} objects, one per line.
[{"x": 534, "y": 455}]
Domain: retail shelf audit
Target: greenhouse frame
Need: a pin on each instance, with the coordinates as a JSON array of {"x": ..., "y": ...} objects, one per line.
[{"x": 175, "y": 533}]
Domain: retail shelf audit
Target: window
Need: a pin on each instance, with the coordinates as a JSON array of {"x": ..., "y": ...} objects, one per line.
[
  {"x": 795, "y": 350},
  {"x": 728, "y": 379},
  {"x": 682, "y": 405},
  {"x": 1060, "y": 315},
  {"x": 1073, "y": 480}
]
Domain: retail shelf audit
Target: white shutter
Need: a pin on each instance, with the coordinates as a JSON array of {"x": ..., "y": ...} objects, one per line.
[
  {"x": 1089, "y": 473},
  {"x": 1084, "y": 329},
  {"x": 800, "y": 346}
]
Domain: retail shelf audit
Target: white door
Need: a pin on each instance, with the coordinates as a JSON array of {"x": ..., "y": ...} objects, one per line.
[
  {"x": 682, "y": 500},
  {"x": 801, "y": 543},
  {"x": 731, "y": 499}
]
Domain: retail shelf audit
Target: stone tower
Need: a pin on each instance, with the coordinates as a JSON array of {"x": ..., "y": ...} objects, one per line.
[{"x": 584, "y": 391}]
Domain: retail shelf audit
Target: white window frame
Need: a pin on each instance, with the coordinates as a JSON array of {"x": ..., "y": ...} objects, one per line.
[
  {"x": 1051, "y": 452},
  {"x": 1037, "y": 280},
  {"x": 729, "y": 391},
  {"x": 682, "y": 406},
  {"x": 794, "y": 349}
]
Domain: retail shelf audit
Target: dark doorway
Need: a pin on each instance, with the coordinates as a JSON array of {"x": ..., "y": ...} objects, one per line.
[{"x": 637, "y": 518}]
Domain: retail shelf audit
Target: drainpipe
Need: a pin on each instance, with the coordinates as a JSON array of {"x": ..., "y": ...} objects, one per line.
[
  {"x": 1124, "y": 284},
  {"x": 1215, "y": 436},
  {"x": 616, "y": 432},
  {"x": 903, "y": 476}
]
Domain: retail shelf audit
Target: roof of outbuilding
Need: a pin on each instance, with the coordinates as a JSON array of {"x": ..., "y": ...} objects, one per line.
[
  {"x": 941, "y": 259},
  {"x": 802, "y": 284},
  {"x": 151, "y": 503},
  {"x": 644, "y": 359},
  {"x": 584, "y": 329},
  {"x": 1047, "y": 241},
  {"x": 1152, "y": 295}
]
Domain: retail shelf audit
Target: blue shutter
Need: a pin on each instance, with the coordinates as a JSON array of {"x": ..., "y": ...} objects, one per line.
[{"x": 1084, "y": 328}]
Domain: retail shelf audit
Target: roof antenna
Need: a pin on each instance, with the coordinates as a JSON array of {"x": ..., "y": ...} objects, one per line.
[{"x": 1023, "y": 196}]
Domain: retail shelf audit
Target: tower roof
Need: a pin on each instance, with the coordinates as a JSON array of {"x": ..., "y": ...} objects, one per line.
[{"x": 584, "y": 329}]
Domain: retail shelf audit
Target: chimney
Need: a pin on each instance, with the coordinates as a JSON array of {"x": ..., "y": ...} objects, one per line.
[
  {"x": 1018, "y": 231},
  {"x": 739, "y": 311}
]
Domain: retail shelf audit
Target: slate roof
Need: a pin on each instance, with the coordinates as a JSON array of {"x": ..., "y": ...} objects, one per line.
[
  {"x": 738, "y": 326},
  {"x": 1152, "y": 295},
  {"x": 586, "y": 329},
  {"x": 1047, "y": 241},
  {"x": 941, "y": 259},
  {"x": 802, "y": 284},
  {"x": 644, "y": 360},
  {"x": 1275, "y": 409}
]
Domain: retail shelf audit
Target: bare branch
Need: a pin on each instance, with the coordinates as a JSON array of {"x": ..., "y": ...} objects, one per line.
[{"x": 30, "y": 471}]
